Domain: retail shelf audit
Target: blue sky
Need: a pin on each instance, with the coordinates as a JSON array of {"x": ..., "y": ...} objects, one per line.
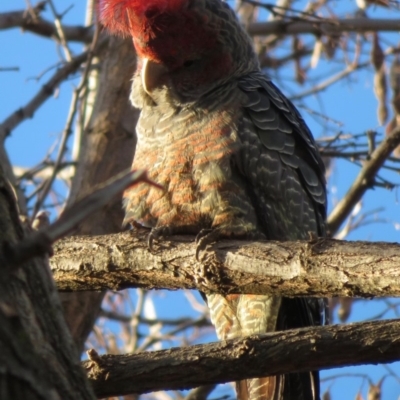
[{"x": 350, "y": 101}]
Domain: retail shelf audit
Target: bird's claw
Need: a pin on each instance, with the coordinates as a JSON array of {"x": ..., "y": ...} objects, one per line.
[
  {"x": 205, "y": 237},
  {"x": 156, "y": 233}
]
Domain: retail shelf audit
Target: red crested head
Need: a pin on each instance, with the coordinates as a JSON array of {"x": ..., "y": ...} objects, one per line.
[
  {"x": 122, "y": 16},
  {"x": 199, "y": 42},
  {"x": 162, "y": 30}
]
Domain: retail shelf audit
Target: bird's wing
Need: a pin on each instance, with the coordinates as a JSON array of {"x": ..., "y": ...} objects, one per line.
[
  {"x": 280, "y": 158},
  {"x": 286, "y": 179}
]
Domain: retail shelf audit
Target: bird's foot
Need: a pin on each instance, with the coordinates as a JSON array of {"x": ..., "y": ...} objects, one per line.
[
  {"x": 209, "y": 236},
  {"x": 206, "y": 237},
  {"x": 157, "y": 233}
]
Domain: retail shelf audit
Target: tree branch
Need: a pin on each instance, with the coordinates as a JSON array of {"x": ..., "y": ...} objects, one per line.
[
  {"x": 43, "y": 94},
  {"x": 318, "y": 26},
  {"x": 39, "y": 243},
  {"x": 38, "y": 25},
  {"x": 37, "y": 356},
  {"x": 273, "y": 353},
  {"x": 323, "y": 26},
  {"x": 325, "y": 267},
  {"x": 364, "y": 181}
]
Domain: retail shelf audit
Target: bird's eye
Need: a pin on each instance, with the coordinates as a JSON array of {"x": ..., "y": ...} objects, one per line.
[
  {"x": 188, "y": 63},
  {"x": 151, "y": 12}
]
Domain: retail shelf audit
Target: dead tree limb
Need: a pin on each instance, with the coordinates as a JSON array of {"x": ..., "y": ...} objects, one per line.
[
  {"x": 316, "y": 26},
  {"x": 364, "y": 181},
  {"x": 323, "y": 26},
  {"x": 319, "y": 268},
  {"x": 273, "y": 353}
]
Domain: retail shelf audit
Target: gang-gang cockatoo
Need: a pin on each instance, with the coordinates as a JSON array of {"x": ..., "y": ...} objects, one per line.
[{"x": 234, "y": 155}]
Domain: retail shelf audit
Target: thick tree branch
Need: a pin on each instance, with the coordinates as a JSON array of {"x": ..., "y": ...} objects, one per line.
[
  {"x": 273, "y": 353},
  {"x": 317, "y": 26},
  {"x": 364, "y": 181},
  {"x": 108, "y": 126},
  {"x": 324, "y": 26},
  {"x": 325, "y": 267},
  {"x": 37, "y": 356}
]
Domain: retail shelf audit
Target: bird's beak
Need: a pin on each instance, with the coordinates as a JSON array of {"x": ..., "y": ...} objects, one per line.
[{"x": 151, "y": 73}]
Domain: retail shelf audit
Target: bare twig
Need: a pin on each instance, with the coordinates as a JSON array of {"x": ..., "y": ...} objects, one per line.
[
  {"x": 68, "y": 127},
  {"x": 200, "y": 393},
  {"x": 36, "y": 24},
  {"x": 60, "y": 31},
  {"x": 39, "y": 243},
  {"x": 364, "y": 181},
  {"x": 282, "y": 11},
  {"x": 43, "y": 170},
  {"x": 150, "y": 340},
  {"x": 330, "y": 81},
  {"x": 134, "y": 325},
  {"x": 8, "y": 69},
  {"x": 44, "y": 93}
]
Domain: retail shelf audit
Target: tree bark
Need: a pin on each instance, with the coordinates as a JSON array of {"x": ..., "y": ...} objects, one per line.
[
  {"x": 317, "y": 26},
  {"x": 323, "y": 26},
  {"x": 110, "y": 132},
  {"x": 273, "y": 353},
  {"x": 319, "y": 268},
  {"x": 38, "y": 359}
]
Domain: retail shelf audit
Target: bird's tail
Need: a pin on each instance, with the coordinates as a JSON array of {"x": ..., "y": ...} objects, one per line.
[
  {"x": 267, "y": 388},
  {"x": 297, "y": 313},
  {"x": 244, "y": 315}
]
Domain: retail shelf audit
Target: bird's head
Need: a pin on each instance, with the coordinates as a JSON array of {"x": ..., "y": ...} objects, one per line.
[{"x": 186, "y": 46}]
